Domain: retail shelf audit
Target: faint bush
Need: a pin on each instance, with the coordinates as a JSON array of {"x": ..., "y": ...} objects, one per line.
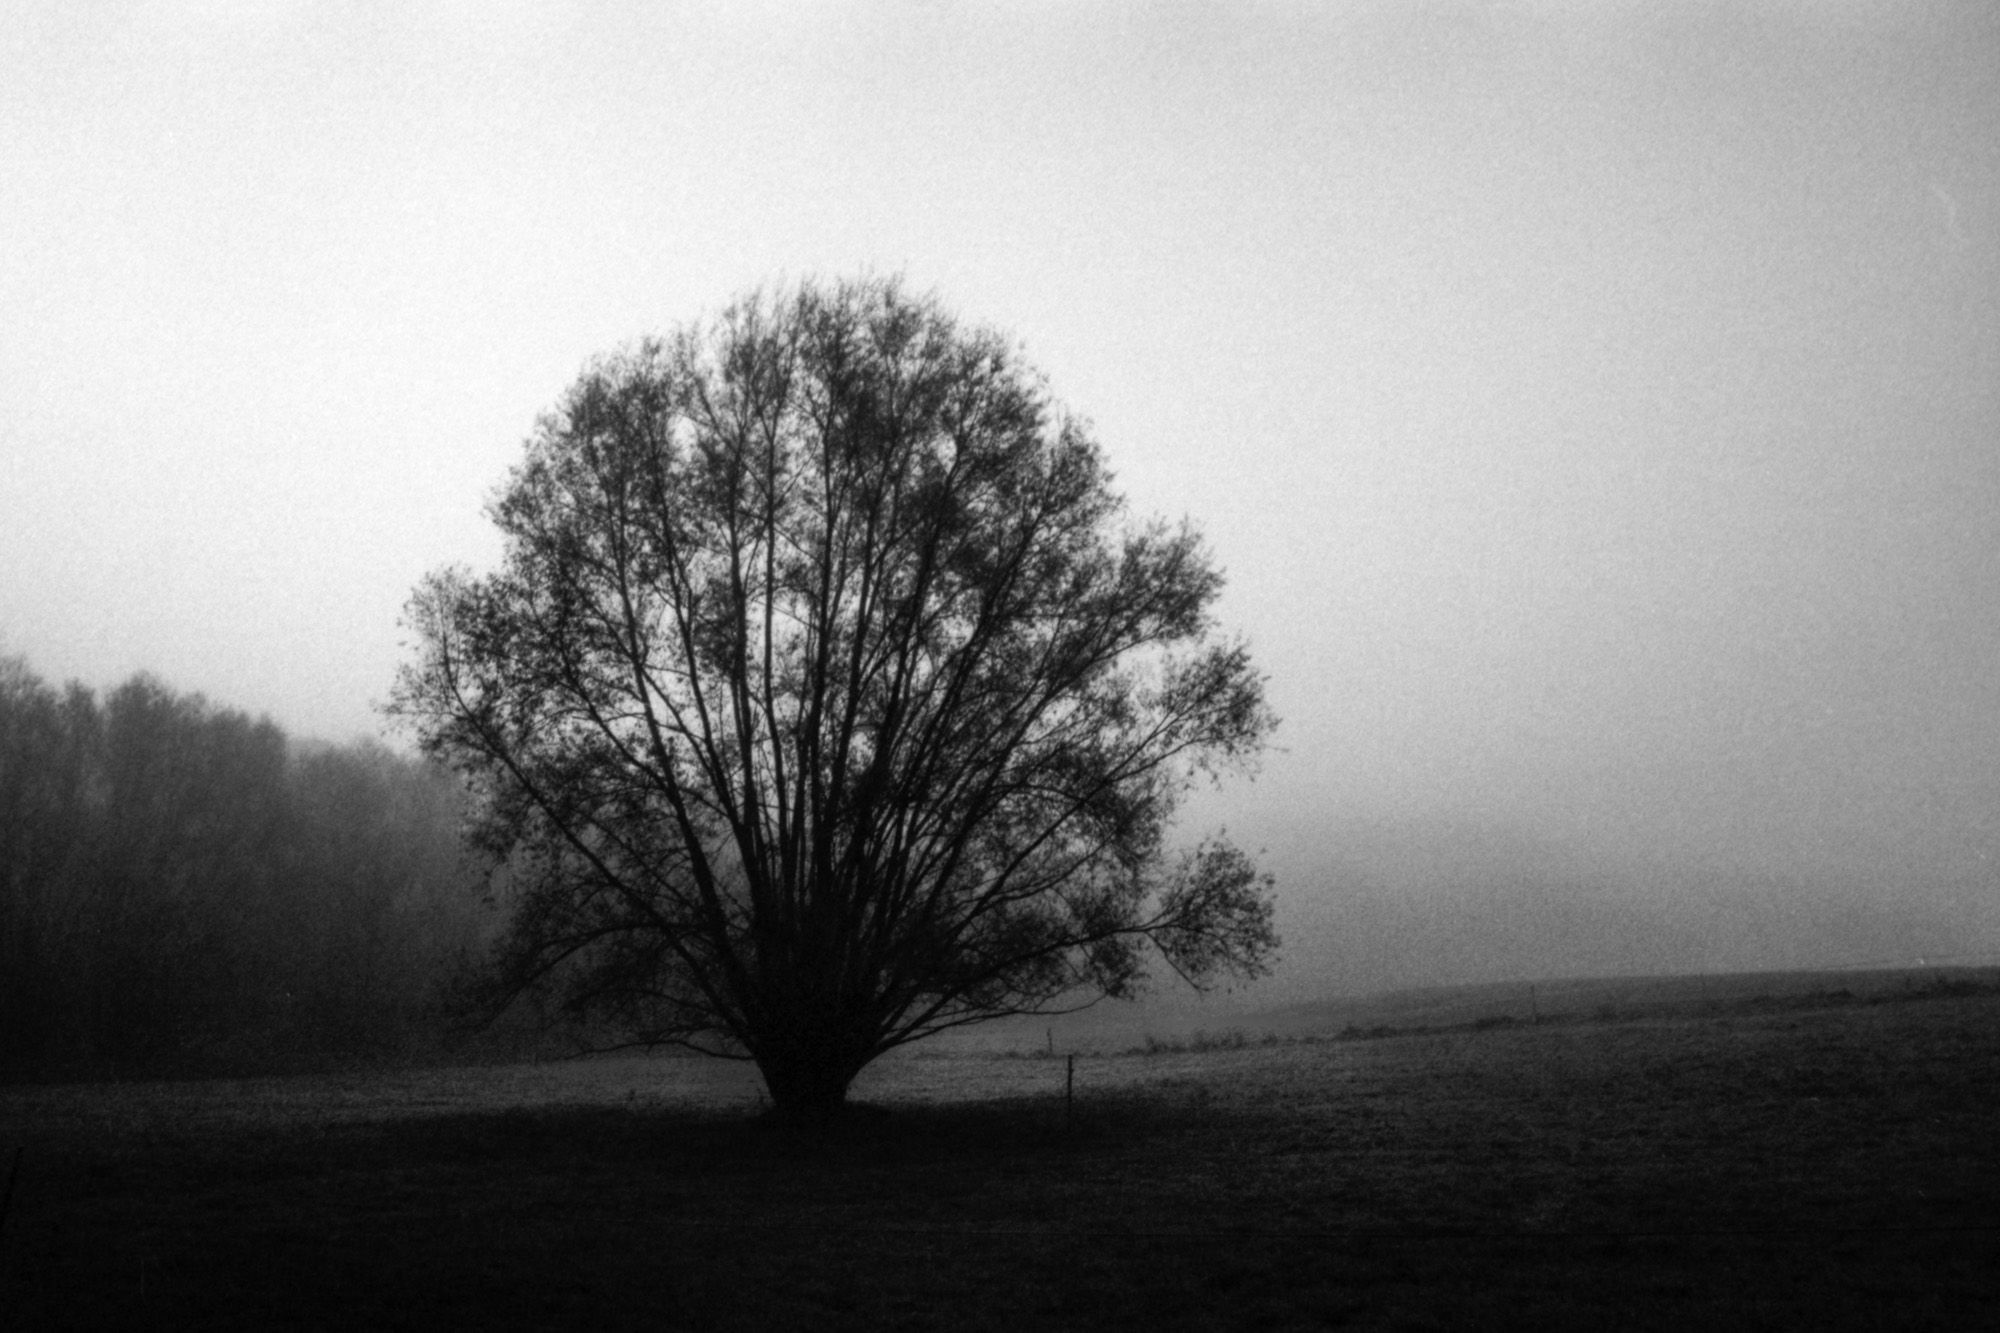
[{"x": 1203, "y": 1041}]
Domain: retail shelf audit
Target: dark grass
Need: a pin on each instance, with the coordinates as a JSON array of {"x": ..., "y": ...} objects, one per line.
[{"x": 1811, "y": 1169}]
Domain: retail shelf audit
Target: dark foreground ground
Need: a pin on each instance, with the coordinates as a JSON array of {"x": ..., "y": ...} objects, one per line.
[{"x": 1814, "y": 1168}]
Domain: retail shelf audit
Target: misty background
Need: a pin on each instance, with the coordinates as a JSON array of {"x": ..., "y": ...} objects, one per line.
[{"x": 1596, "y": 408}]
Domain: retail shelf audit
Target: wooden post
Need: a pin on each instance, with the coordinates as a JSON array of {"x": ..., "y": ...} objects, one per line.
[
  {"x": 1069, "y": 1092},
  {"x": 7, "y": 1199}
]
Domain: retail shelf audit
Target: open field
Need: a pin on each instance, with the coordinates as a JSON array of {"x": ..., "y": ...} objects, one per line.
[
  {"x": 1832, "y": 1166},
  {"x": 1619, "y": 998}
]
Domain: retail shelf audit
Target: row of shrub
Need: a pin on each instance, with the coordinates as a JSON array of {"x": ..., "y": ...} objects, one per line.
[{"x": 183, "y": 887}]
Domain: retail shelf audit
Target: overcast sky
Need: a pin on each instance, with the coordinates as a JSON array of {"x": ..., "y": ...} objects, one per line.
[{"x": 1596, "y": 407}]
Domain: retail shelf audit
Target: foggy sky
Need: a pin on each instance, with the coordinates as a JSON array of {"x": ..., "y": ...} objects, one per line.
[{"x": 1597, "y": 408}]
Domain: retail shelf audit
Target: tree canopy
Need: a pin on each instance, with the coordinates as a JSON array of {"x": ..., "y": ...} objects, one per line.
[{"x": 825, "y": 698}]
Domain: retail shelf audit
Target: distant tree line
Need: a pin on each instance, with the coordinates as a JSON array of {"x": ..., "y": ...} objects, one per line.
[{"x": 185, "y": 889}]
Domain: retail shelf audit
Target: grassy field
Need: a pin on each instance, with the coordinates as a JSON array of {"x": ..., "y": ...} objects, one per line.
[{"x": 1809, "y": 1167}]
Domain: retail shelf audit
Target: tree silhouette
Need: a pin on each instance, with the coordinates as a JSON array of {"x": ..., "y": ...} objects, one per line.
[{"x": 823, "y": 701}]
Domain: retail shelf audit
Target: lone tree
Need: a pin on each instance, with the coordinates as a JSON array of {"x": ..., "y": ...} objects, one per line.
[{"x": 824, "y": 702}]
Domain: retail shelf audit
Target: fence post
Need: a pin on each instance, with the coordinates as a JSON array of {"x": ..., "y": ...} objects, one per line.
[
  {"x": 7, "y": 1198},
  {"x": 1069, "y": 1092}
]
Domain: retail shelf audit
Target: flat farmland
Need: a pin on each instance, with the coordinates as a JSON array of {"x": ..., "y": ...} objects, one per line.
[{"x": 1819, "y": 1167}]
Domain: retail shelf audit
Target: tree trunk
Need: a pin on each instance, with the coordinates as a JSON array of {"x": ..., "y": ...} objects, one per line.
[{"x": 808, "y": 1085}]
